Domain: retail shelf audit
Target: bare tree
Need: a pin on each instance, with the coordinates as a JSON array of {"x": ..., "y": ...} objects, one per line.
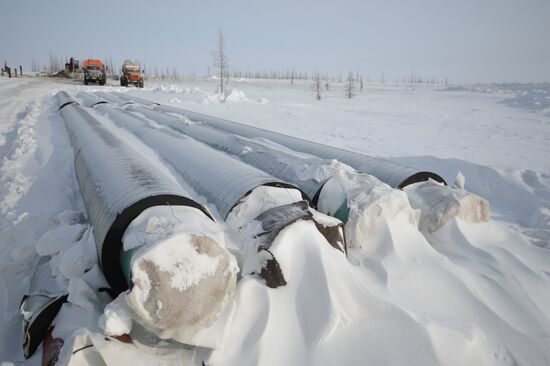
[
  {"x": 175, "y": 76},
  {"x": 327, "y": 86},
  {"x": 54, "y": 64},
  {"x": 34, "y": 64},
  {"x": 220, "y": 59},
  {"x": 292, "y": 77},
  {"x": 361, "y": 84},
  {"x": 350, "y": 85},
  {"x": 317, "y": 85},
  {"x": 112, "y": 67}
]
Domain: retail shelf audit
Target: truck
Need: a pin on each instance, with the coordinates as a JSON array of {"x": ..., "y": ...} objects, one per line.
[
  {"x": 131, "y": 74},
  {"x": 94, "y": 71}
]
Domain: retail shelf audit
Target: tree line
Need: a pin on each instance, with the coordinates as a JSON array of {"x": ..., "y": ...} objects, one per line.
[{"x": 353, "y": 81}]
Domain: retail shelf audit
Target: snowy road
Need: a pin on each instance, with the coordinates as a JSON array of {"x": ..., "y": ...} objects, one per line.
[{"x": 464, "y": 294}]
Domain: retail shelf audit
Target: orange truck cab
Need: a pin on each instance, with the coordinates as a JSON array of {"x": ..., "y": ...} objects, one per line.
[
  {"x": 131, "y": 74},
  {"x": 94, "y": 71}
]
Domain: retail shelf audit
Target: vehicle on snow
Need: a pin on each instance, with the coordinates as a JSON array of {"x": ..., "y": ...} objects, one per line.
[
  {"x": 131, "y": 74},
  {"x": 94, "y": 71}
]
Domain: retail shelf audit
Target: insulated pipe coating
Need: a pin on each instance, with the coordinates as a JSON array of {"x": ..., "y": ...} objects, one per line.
[
  {"x": 131, "y": 98},
  {"x": 229, "y": 183},
  {"x": 221, "y": 178},
  {"x": 116, "y": 184},
  {"x": 64, "y": 99},
  {"x": 389, "y": 172},
  {"x": 90, "y": 100},
  {"x": 279, "y": 164},
  {"x": 394, "y": 174}
]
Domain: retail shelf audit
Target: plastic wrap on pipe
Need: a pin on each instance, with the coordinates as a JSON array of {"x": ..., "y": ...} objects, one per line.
[
  {"x": 116, "y": 184},
  {"x": 222, "y": 179},
  {"x": 260, "y": 156},
  {"x": 389, "y": 172}
]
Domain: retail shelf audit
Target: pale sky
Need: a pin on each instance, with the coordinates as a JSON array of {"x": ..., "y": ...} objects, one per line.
[{"x": 464, "y": 40}]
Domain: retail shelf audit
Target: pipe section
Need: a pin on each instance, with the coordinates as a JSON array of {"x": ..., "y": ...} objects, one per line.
[
  {"x": 64, "y": 99},
  {"x": 389, "y": 172},
  {"x": 242, "y": 194},
  {"x": 116, "y": 184},
  {"x": 280, "y": 164},
  {"x": 131, "y": 98},
  {"x": 90, "y": 100},
  {"x": 222, "y": 179}
]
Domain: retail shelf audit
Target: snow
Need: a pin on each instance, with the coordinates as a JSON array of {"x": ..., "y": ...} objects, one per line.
[
  {"x": 459, "y": 180},
  {"x": 60, "y": 238},
  {"x": 115, "y": 320},
  {"x": 230, "y": 95},
  {"x": 467, "y": 288}
]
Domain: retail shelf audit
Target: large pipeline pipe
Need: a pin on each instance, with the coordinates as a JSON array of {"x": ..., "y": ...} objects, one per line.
[
  {"x": 131, "y": 99},
  {"x": 122, "y": 189},
  {"x": 279, "y": 164},
  {"x": 437, "y": 203},
  {"x": 389, "y": 172},
  {"x": 307, "y": 172},
  {"x": 222, "y": 179},
  {"x": 116, "y": 184},
  {"x": 90, "y": 100},
  {"x": 243, "y": 194}
]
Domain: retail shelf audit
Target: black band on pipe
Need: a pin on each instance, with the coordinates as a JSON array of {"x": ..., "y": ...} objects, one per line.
[
  {"x": 100, "y": 102},
  {"x": 112, "y": 245},
  {"x": 66, "y": 104},
  {"x": 315, "y": 199},
  {"x": 421, "y": 177}
]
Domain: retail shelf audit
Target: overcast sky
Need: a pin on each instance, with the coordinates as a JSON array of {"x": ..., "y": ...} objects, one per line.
[{"x": 464, "y": 40}]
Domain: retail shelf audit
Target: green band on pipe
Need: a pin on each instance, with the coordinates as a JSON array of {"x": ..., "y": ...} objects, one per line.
[
  {"x": 126, "y": 264},
  {"x": 342, "y": 213}
]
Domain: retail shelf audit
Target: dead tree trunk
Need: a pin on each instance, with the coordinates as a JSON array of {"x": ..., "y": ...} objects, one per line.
[
  {"x": 220, "y": 60},
  {"x": 350, "y": 86},
  {"x": 317, "y": 86}
]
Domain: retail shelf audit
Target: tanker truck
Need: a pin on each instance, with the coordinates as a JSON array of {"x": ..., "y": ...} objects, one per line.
[{"x": 131, "y": 74}]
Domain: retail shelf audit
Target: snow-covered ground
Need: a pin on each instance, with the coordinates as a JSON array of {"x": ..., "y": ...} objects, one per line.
[{"x": 464, "y": 294}]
